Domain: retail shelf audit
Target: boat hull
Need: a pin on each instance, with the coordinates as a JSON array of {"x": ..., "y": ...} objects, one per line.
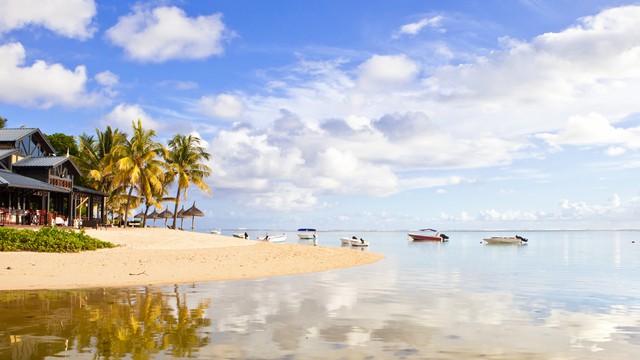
[
  {"x": 421, "y": 237},
  {"x": 505, "y": 240},
  {"x": 274, "y": 238},
  {"x": 307, "y": 234},
  {"x": 353, "y": 242}
]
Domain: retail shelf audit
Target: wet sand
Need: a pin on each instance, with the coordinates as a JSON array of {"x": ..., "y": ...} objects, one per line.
[{"x": 157, "y": 256}]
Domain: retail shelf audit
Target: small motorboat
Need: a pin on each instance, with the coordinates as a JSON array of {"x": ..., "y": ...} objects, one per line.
[
  {"x": 273, "y": 238},
  {"x": 307, "y": 234},
  {"x": 241, "y": 235},
  {"x": 353, "y": 241},
  {"x": 517, "y": 240},
  {"x": 428, "y": 235},
  {"x": 215, "y": 231}
]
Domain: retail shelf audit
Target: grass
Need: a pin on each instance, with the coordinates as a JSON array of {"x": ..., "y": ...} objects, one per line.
[{"x": 49, "y": 239}]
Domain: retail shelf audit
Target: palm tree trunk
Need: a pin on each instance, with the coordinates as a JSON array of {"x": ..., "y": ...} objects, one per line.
[
  {"x": 175, "y": 210},
  {"x": 126, "y": 209}
]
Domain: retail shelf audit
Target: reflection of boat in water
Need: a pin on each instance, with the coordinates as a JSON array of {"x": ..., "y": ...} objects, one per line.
[
  {"x": 353, "y": 241},
  {"x": 428, "y": 235},
  {"x": 307, "y": 234},
  {"x": 504, "y": 240},
  {"x": 273, "y": 238}
]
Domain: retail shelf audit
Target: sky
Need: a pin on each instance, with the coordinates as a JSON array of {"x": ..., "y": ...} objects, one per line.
[{"x": 372, "y": 115}]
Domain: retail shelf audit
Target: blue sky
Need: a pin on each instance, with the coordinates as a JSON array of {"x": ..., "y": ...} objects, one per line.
[{"x": 354, "y": 114}]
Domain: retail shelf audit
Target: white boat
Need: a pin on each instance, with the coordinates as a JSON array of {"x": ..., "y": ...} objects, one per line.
[
  {"x": 518, "y": 240},
  {"x": 428, "y": 235},
  {"x": 307, "y": 234},
  {"x": 215, "y": 231},
  {"x": 241, "y": 235},
  {"x": 353, "y": 241},
  {"x": 273, "y": 238}
]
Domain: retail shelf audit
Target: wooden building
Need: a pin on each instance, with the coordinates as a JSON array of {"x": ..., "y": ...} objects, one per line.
[{"x": 37, "y": 186}]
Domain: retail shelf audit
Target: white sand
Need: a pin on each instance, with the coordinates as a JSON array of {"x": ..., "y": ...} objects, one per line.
[{"x": 155, "y": 256}]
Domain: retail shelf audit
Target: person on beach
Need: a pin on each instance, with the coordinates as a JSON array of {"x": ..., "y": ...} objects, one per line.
[{"x": 246, "y": 236}]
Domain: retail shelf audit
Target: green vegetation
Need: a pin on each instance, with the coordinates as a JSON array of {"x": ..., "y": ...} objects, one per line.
[
  {"x": 49, "y": 239},
  {"x": 63, "y": 143}
]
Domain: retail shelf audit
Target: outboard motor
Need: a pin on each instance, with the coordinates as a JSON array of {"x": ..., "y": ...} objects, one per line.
[
  {"x": 521, "y": 238},
  {"x": 444, "y": 237}
]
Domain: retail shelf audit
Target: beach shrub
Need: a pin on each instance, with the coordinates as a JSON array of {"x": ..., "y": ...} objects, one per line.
[{"x": 49, "y": 239}]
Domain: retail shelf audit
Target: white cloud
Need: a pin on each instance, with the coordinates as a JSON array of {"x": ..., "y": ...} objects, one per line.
[
  {"x": 429, "y": 182},
  {"x": 167, "y": 33},
  {"x": 107, "y": 78},
  {"x": 223, "y": 106},
  {"x": 353, "y": 175},
  {"x": 41, "y": 84},
  {"x": 415, "y": 27},
  {"x": 387, "y": 70},
  {"x": 615, "y": 151},
  {"x": 594, "y": 130},
  {"x": 69, "y": 18},
  {"x": 611, "y": 210},
  {"x": 124, "y": 115}
]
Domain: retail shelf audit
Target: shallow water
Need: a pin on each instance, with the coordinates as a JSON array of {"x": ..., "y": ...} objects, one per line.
[{"x": 564, "y": 295}]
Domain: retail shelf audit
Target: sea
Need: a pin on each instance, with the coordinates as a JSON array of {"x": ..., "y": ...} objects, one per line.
[{"x": 563, "y": 295}]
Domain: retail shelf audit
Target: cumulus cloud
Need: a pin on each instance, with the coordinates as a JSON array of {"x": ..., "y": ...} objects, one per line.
[
  {"x": 402, "y": 126},
  {"x": 416, "y": 27},
  {"x": 124, "y": 115},
  {"x": 41, "y": 84},
  {"x": 69, "y": 18},
  {"x": 167, "y": 33},
  {"x": 222, "y": 106},
  {"x": 611, "y": 209},
  {"x": 387, "y": 70},
  {"x": 107, "y": 78},
  {"x": 594, "y": 130}
]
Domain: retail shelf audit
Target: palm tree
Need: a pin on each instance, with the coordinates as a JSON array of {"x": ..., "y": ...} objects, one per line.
[
  {"x": 96, "y": 160},
  {"x": 139, "y": 165},
  {"x": 184, "y": 158},
  {"x": 96, "y": 157}
]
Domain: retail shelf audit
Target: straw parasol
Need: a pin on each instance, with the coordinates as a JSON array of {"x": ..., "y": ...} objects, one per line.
[
  {"x": 166, "y": 214},
  {"x": 181, "y": 216},
  {"x": 193, "y": 211},
  {"x": 139, "y": 215},
  {"x": 154, "y": 216}
]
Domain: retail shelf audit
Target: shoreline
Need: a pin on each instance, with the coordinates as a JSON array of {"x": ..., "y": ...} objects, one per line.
[{"x": 158, "y": 256}]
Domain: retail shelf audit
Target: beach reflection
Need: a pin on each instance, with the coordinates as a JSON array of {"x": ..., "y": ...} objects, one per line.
[
  {"x": 100, "y": 324},
  {"x": 566, "y": 297}
]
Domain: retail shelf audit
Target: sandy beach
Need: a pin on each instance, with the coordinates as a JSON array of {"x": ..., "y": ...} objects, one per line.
[{"x": 156, "y": 256}]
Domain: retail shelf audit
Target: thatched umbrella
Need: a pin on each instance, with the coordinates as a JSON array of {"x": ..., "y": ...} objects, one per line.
[
  {"x": 181, "y": 216},
  {"x": 139, "y": 215},
  {"x": 154, "y": 216},
  {"x": 193, "y": 211},
  {"x": 166, "y": 215}
]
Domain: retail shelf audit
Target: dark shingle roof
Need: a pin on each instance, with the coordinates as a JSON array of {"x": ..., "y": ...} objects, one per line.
[
  {"x": 7, "y": 135},
  {"x": 13, "y": 135},
  {"x": 86, "y": 190},
  {"x": 12, "y": 180},
  {"x": 40, "y": 161},
  {"x": 6, "y": 152},
  {"x": 47, "y": 162}
]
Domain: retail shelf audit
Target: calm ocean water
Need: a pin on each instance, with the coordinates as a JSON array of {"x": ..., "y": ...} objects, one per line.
[{"x": 564, "y": 295}]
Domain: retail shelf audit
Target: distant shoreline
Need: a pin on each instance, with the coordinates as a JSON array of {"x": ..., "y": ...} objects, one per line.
[{"x": 157, "y": 256}]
